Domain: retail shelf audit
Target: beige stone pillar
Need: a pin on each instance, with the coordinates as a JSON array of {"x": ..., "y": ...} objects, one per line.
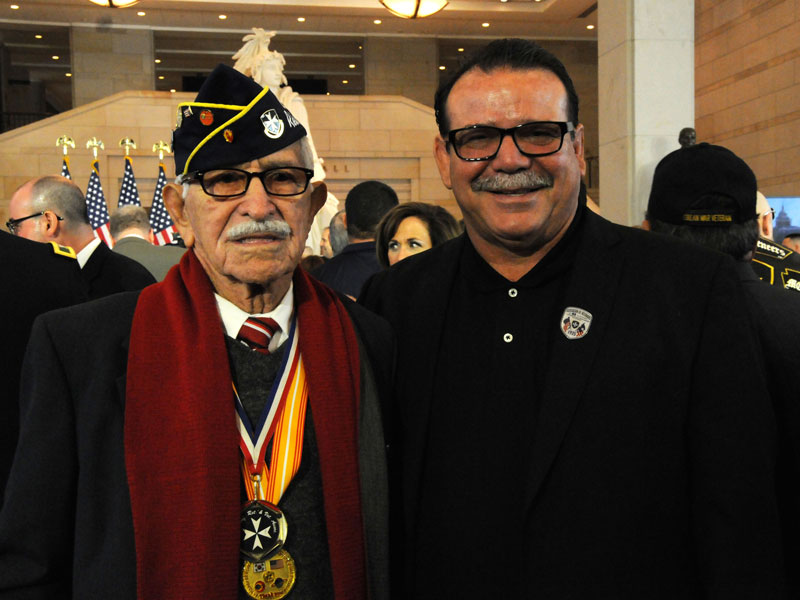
[
  {"x": 401, "y": 67},
  {"x": 106, "y": 61},
  {"x": 646, "y": 96}
]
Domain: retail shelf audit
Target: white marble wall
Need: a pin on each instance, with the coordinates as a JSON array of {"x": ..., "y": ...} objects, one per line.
[{"x": 646, "y": 95}]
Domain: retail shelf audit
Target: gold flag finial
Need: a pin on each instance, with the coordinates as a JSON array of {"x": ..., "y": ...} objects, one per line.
[
  {"x": 65, "y": 141},
  {"x": 94, "y": 144},
  {"x": 127, "y": 143},
  {"x": 160, "y": 146}
]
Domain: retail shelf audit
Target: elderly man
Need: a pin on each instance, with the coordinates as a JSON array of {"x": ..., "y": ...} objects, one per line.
[
  {"x": 578, "y": 411},
  {"x": 220, "y": 430},
  {"x": 53, "y": 209}
]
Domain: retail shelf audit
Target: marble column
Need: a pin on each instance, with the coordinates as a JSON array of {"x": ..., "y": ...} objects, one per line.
[{"x": 646, "y": 96}]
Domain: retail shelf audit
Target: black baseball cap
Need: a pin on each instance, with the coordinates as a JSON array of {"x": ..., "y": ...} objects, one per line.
[{"x": 687, "y": 181}]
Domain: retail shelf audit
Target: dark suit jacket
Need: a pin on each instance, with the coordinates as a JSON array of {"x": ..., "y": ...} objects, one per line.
[
  {"x": 156, "y": 259},
  {"x": 652, "y": 457},
  {"x": 67, "y": 524},
  {"x": 347, "y": 271},
  {"x": 107, "y": 273},
  {"x": 35, "y": 280}
]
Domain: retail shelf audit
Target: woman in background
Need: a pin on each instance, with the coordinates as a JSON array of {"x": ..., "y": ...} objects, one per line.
[{"x": 411, "y": 228}]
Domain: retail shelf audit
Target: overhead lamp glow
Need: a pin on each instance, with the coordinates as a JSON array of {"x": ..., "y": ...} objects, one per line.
[
  {"x": 56, "y": 57},
  {"x": 67, "y": 74},
  {"x": 38, "y": 36},
  {"x": 301, "y": 19},
  {"x": 377, "y": 21},
  {"x": 222, "y": 17},
  {"x": 14, "y": 7},
  {"x": 414, "y": 9},
  {"x": 590, "y": 27},
  {"x": 344, "y": 81},
  {"x": 442, "y": 67},
  {"x": 351, "y": 66},
  {"x": 485, "y": 24},
  {"x": 161, "y": 77},
  {"x": 141, "y": 13},
  {"x": 158, "y": 61},
  {"x": 114, "y": 3}
]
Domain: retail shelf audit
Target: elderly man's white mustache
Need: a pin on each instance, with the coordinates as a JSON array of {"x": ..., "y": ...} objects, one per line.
[
  {"x": 273, "y": 227},
  {"x": 510, "y": 182}
]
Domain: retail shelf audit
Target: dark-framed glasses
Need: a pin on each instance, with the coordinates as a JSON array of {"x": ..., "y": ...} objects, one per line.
[
  {"x": 13, "y": 224},
  {"x": 482, "y": 142},
  {"x": 229, "y": 183}
]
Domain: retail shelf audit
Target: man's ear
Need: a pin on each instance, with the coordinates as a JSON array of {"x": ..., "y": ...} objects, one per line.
[
  {"x": 52, "y": 226},
  {"x": 578, "y": 148},
  {"x": 319, "y": 194},
  {"x": 176, "y": 207},
  {"x": 442, "y": 156}
]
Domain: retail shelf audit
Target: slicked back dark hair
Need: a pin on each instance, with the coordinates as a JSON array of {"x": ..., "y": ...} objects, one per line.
[{"x": 510, "y": 53}]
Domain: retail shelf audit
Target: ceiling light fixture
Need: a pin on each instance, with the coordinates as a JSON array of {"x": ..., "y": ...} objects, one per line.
[
  {"x": 442, "y": 67},
  {"x": 377, "y": 21},
  {"x": 114, "y": 3},
  {"x": 301, "y": 19},
  {"x": 158, "y": 61},
  {"x": 55, "y": 57},
  {"x": 485, "y": 24},
  {"x": 590, "y": 27},
  {"x": 141, "y": 13},
  {"x": 67, "y": 74},
  {"x": 223, "y": 17},
  {"x": 38, "y": 36},
  {"x": 14, "y": 6},
  {"x": 414, "y": 9}
]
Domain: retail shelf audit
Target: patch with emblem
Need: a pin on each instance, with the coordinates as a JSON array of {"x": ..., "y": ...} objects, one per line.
[
  {"x": 228, "y": 135},
  {"x": 206, "y": 117},
  {"x": 791, "y": 279},
  {"x": 575, "y": 322},
  {"x": 291, "y": 120},
  {"x": 67, "y": 251},
  {"x": 273, "y": 126},
  {"x": 187, "y": 111}
]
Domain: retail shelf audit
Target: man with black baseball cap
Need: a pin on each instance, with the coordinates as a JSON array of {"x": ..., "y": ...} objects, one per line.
[
  {"x": 707, "y": 195},
  {"x": 218, "y": 435}
]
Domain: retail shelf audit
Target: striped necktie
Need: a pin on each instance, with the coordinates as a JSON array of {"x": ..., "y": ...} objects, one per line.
[{"x": 257, "y": 332}]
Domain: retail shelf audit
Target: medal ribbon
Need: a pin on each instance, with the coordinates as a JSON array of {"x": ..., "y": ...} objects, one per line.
[{"x": 283, "y": 421}]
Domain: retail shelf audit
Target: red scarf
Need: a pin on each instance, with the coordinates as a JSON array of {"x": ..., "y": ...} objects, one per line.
[{"x": 181, "y": 445}]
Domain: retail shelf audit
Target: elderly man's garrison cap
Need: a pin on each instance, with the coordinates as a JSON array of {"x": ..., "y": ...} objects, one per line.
[{"x": 232, "y": 120}]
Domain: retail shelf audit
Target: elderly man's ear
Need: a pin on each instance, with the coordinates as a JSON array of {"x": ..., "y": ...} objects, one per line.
[
  {"x": 319, "y": 195},
  {"x": 176, "y": 207}
]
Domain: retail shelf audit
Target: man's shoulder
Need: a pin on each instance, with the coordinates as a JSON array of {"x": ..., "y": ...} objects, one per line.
[
  {"x": 107, "y": 315},
  {"x": 121, "y": 267}
]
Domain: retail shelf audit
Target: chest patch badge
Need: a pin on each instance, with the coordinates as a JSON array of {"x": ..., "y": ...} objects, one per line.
[{"x": 575, "y": 322}]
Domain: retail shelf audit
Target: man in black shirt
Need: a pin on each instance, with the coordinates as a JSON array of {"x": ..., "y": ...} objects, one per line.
[{"x": 627, "y": 453}]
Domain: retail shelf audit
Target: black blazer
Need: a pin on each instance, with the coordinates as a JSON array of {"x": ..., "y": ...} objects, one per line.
[
  {"x": 651, "y": 463},
  {"x": 66, "y": 529},
  {"x": 35, "y": 280},
  {"x": 107, "y": 272}
]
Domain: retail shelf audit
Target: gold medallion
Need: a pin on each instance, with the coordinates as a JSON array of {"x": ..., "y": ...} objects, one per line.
[{"x": 273, "y": 578}]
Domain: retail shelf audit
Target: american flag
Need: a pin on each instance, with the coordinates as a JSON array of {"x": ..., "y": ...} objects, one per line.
[
  {"x": 65, "y": 168},
  {"x": 160, "y": 221},
  {"x": 96, "y": 206},
  {"x": 129, "y": 193}
]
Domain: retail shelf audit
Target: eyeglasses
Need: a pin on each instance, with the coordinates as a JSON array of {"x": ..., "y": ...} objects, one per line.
[
  {"x": 482, "y": 142},
  {"x": 228, "y": 183},
  {"x": 13, "y": 224}
]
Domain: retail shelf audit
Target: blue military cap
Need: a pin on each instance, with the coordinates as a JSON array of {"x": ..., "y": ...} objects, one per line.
[{"x": 231, "y": 121}]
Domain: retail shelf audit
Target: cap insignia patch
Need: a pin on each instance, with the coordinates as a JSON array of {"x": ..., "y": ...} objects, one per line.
[
  {"x": 206, "y": 117},
  {"x": 575, "y": 322},
  {"x": 228, "y": 135},
  {"x": 273, "y": 126}
]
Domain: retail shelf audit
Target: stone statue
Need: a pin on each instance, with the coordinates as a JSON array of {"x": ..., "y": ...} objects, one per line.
[
  {"x": 265, "y": 66},
  {"x": 687, "y": 137}
]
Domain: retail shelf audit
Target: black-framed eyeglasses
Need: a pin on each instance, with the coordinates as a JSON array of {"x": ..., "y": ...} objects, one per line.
[
  {"x": 482, "y": 142},
  {"x": 13, "y": 224},
  {"x": 229, "y": 183}
]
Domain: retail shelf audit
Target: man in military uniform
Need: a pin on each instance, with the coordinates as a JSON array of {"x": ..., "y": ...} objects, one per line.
[
  {"x": 53, "y": 209},
  {"x": 57, "y": 282},
  {"x": 217, "y": 435},
  {"x": 773, "y": 262}
]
